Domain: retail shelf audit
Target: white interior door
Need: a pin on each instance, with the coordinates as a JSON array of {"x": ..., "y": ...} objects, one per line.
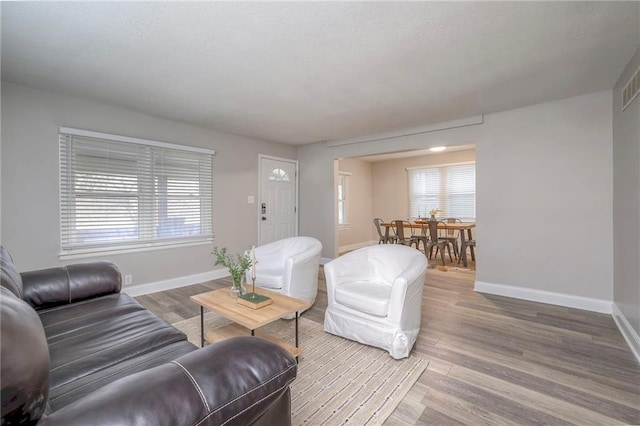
[{"x": 278, "y": 206}]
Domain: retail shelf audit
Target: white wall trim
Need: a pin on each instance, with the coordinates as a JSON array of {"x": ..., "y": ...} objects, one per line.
[
  {"x": 542, "y": 296},
  {"x": 139, "y": 290},
  {"x": 629, "y": 334},
  {"x": 356, "y": 246}
]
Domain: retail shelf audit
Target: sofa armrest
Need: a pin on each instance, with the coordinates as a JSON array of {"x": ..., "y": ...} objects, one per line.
[
  {"x": 235, "y": 381},
  {"x": 58, "y": 286}
]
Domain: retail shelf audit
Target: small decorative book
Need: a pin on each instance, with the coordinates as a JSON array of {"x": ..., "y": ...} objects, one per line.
[{"x": 254, "y": 300}]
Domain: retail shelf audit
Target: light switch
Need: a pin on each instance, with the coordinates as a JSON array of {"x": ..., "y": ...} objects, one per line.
[{"x": 251, "y": 199}]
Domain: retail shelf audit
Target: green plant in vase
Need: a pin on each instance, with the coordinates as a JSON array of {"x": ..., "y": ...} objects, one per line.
[{"x": 237, "y": 266}]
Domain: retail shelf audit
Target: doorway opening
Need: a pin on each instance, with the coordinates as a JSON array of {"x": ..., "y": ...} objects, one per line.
[{"x": 406, "y": 186}]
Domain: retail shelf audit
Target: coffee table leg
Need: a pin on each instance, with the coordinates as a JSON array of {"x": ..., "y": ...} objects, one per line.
[
  {"x": 201, "y": 327},
  {"x": 296, "y": 332}
]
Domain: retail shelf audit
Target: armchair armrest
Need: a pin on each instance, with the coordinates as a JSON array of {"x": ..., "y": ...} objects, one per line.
[
  {"x": 301, "y": 274},
  {"x": 235, "y": 381},
  {"x": 405, "y": 304},
  {"x": 58, "y": 286}
]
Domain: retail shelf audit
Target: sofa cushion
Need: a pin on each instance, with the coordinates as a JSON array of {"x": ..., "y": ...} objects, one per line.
[
  {"x": 67, "y": 284},
  {"x": 97, "y": 345},
  {"x": 71, "y": 317},
  {"x": 69, "y": 392},
  {"x": 25, "y": 361},
  {"x": 365, "y": 296}
]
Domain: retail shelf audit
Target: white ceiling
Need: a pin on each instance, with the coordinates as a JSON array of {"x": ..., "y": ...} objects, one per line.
[{"x": 301, "y": 72}]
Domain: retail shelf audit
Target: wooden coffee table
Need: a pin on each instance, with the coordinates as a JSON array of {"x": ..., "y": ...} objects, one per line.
[{"x": 247, "y": 320}]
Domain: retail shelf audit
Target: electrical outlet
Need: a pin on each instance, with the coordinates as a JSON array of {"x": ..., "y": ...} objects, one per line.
[{"x": 128, "y": 279}]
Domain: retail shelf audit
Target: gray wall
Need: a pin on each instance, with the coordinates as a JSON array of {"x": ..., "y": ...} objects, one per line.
[
  {"x": 544, "y": 193},
  {"x": 626, "y": 200},
  {"x": 30, "y": 201}
]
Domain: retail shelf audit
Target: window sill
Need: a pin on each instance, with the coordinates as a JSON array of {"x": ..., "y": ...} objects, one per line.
[{"x": 106, "y": 251}]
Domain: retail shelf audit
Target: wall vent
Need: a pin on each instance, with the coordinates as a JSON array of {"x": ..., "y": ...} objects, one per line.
[{"x": 631, "y": 89}]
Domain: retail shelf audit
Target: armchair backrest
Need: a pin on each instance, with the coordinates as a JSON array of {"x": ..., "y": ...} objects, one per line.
[
  {"x": 388, "y": 262},
  {"x": 296, "y": 245},
  {"x": 277, "y": 252}
]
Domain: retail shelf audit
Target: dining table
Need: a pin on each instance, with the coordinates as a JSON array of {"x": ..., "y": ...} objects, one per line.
[{"x": 459, "y": 226}]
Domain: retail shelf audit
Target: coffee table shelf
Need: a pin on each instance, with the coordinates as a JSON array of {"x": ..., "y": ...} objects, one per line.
[{"x": 235, "y": 330}]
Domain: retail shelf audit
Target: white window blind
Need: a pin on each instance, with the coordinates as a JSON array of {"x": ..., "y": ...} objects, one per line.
[
  {"x": 452, "y": 189},
  {"x": 119, "y": 192}
]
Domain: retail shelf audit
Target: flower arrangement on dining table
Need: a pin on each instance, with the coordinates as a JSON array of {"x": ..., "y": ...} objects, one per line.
[
  {"x": 237, "y": 265},
  {"x": 434, "y": 212}
]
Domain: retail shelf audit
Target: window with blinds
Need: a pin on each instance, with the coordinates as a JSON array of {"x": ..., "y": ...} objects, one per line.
[
  {"x": 451, "y": 188},
  {"x": 343, "y": 191},
  {"x": 121, "y": 192}
]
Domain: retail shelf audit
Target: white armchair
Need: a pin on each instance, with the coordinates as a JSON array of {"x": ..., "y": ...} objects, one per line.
[
  {"x": 375, "y": 296},
  {"x": 289, "y": 266}
]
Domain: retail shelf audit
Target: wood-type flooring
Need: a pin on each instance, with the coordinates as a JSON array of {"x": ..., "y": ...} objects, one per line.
[{"x": 494, "y": 360}]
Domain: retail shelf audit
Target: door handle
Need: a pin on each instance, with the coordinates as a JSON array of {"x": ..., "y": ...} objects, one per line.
[{"x": 264, "y": 218}]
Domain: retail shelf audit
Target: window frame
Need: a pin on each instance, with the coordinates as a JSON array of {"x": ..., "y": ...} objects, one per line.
[
  {"x": 443, "y": 194},
  {"x": 149, "y": 200},
  {"x": 343, "y": 180}
]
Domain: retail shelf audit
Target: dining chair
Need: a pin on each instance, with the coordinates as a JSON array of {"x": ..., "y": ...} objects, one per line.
[
  {"x": 434, "y": 241},
  {"x": 391, "y": 239},
  {"x": 451, "y": 235},
  {"x": 463, "y": 248},
  {"x": 400, "y": 233},
  {"x": 423, "y": 236}
]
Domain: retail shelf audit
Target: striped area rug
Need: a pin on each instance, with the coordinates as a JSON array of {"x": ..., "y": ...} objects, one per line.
[{"x": 339, "y": 381}]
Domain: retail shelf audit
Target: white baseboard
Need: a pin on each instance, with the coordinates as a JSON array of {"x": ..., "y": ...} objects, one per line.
[
  {"x": 629, "y": 334},
  {"x": 542, "y": 296},
  {"x": 356, "y": 246},
  {"x": 139, "y": 290}
]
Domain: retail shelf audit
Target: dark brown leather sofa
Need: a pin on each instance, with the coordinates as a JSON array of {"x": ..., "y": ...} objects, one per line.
[{"x": 75, "y": 351}]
